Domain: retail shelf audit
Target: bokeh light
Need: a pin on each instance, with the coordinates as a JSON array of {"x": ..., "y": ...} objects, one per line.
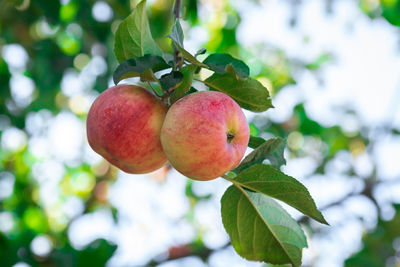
[{"x": 330, "y": 67}]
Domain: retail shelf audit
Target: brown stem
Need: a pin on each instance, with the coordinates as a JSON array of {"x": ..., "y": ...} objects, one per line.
[
  {"x": 177, "y": 58},
  {"x": 187, "y": 250},
  {"x": 177, "y": 9}
]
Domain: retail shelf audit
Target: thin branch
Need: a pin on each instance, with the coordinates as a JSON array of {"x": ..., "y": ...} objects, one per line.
[
  {"x": 304, "y": 218},
  {"x": 177, "y": 59},
  {"x": 177, "y": 9},
  {"x": 187, "y": 250}
]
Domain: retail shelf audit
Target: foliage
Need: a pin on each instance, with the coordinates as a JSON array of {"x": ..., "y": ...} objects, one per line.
[
  {"x": 267, "y": 233},
  {"x": 58, "y": 36},
  {"x": 133, "y": 38},
  {"x": 260, "y": 229},
  {"x": 388, "y": 9},
  {"x": 379, "y": 244}
]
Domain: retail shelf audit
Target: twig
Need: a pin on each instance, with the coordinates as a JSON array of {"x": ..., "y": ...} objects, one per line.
[
  {"x": 187, "y": 250},
  {"x": 177, "y": 9},
  {"x": 177, "y": 58}
]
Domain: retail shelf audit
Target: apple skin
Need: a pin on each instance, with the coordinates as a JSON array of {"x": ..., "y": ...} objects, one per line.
[
  {"x": 195, "y": 132},
  {"x": 123, "y": 126}
]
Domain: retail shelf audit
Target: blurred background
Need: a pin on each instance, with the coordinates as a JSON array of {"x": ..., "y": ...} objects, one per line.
[{"x": 332, "y": 67}]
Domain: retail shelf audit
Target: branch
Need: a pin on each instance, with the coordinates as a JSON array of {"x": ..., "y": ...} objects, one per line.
[
  {"x": 177, "y": 9},
  {"x": 304, "y": 218},
  {"x": 201, "y": 251},
  {"x": 367, "y": 192},
  {"x": 177, "y": 58},
  {"x": 187, "y": 250}
]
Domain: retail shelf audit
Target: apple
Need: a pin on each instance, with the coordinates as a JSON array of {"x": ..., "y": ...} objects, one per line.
[
  {"x": 123, "y": 126},
  {"x": 204, "y": 135}
]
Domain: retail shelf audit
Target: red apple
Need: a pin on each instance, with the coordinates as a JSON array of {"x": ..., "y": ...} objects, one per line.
[
  {"x": 124, "y": 124},
  {"x": 204, "y": 135}
]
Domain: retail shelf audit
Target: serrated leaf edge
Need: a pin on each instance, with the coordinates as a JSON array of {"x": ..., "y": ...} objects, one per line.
[
  {"x": 140, "y": 8},
  {"x": 245, "y": 184},
  {"x": 259, "y": 107},
  {"x": 267, "y": 225}
]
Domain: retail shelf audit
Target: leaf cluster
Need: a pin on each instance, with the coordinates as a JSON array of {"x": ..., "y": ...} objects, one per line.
[
  {"x": 140, "y": 56},
  {"x": 259, "y": 228}
]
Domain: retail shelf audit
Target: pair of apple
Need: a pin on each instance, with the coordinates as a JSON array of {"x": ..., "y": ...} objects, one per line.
[{"x": 203, "y": 135}]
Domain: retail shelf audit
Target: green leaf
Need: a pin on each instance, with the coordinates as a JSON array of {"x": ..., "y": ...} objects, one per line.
[
  {"x": 133, "y": 37},
  {"x": 271, "y": 150},
  {"x": 272, "y": 182},
  {"x": 148, "y": 76},
  {"x": 171, "y": 80},
  {"x": 253, "y": 129},
  {"x": 199, "y": 52},
  {"x": 186, "y": 83},
  {"x": 139, "y": 67},
  {"x": 255, "y": 142},
  {"x": 177, "y": 33},
  {"x": 249, "y": 93},
  {"x": 260, "y": 229},
  {"x": 391, "y": 11},
  {"x": 168, "y": 58},
  {"x": 191, "y": 91},
  {"x": 97, "y": 253},
  {"x": 219, "y": 63}
]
